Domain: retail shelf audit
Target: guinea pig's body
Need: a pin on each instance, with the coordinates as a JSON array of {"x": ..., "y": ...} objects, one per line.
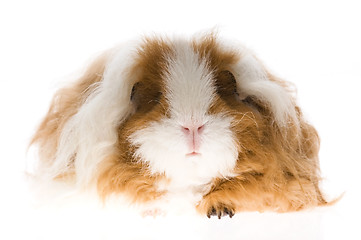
[{"x": 198, "y": 119}]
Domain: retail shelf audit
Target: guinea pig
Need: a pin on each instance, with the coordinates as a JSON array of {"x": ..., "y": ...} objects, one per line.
[{"x": 197, "y": 117}]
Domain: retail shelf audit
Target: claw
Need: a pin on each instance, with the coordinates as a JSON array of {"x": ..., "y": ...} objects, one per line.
[
  {"x": 231, "y": 213},
  {"x": 212, "y": 212},
  {"x": 220, "y": 212}
]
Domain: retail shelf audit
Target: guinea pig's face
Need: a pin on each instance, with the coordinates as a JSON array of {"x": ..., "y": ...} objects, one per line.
[{"x": 187, "y": 113}]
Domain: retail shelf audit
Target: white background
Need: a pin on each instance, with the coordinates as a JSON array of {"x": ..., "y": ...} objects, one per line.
[{"x": 314, "y": 44}]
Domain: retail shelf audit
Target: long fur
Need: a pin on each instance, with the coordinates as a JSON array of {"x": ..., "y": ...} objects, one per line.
[{"x": 119, "y": 127}]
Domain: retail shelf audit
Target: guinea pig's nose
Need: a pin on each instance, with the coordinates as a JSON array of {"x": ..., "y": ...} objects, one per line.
[
  {"x": 193, "y": 134},
  {"x": 193, "y": 129}
]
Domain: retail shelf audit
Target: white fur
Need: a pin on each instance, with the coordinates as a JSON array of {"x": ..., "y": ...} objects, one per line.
[
  {"x": 163, "y": 147},
  {"x": 189, "y": 85},
  {"x": 91, "y": 133}
]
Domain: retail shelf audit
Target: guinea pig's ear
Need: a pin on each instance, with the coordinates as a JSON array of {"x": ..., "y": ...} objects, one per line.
[
  {"x": 254, "y": 81},
  {"x": 80, "y": 129}
]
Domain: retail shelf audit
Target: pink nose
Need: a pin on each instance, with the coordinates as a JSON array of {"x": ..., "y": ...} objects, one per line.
[
  {"x": 193, "y": 129},
  {"x": 193, "y": 135}
]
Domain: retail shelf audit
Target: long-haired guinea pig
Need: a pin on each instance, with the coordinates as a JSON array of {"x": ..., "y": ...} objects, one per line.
[{"x": 197, "y": 118}]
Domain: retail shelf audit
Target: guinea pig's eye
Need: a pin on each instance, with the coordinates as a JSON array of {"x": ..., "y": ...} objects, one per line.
[
  {"x": 254, "y": 103},
  {"x": 145, "y": 96},
  {"x": 133, "y": 91},
  {"x": 226, "y": 85},
  {"x": 158, "y": 96}
]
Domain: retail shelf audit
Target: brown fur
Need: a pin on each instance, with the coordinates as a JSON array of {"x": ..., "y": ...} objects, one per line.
[{"x": 276, "y": 171}]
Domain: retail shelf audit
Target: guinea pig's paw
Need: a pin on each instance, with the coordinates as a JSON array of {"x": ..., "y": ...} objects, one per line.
[
  {"x": 156, "y": 212},
  {"x": 220, "y": 211},
  {"x": 216, "y": 204}
]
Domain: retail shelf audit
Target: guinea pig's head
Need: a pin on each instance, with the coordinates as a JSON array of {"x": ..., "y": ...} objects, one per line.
[{"x": 195, "y": 105}]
